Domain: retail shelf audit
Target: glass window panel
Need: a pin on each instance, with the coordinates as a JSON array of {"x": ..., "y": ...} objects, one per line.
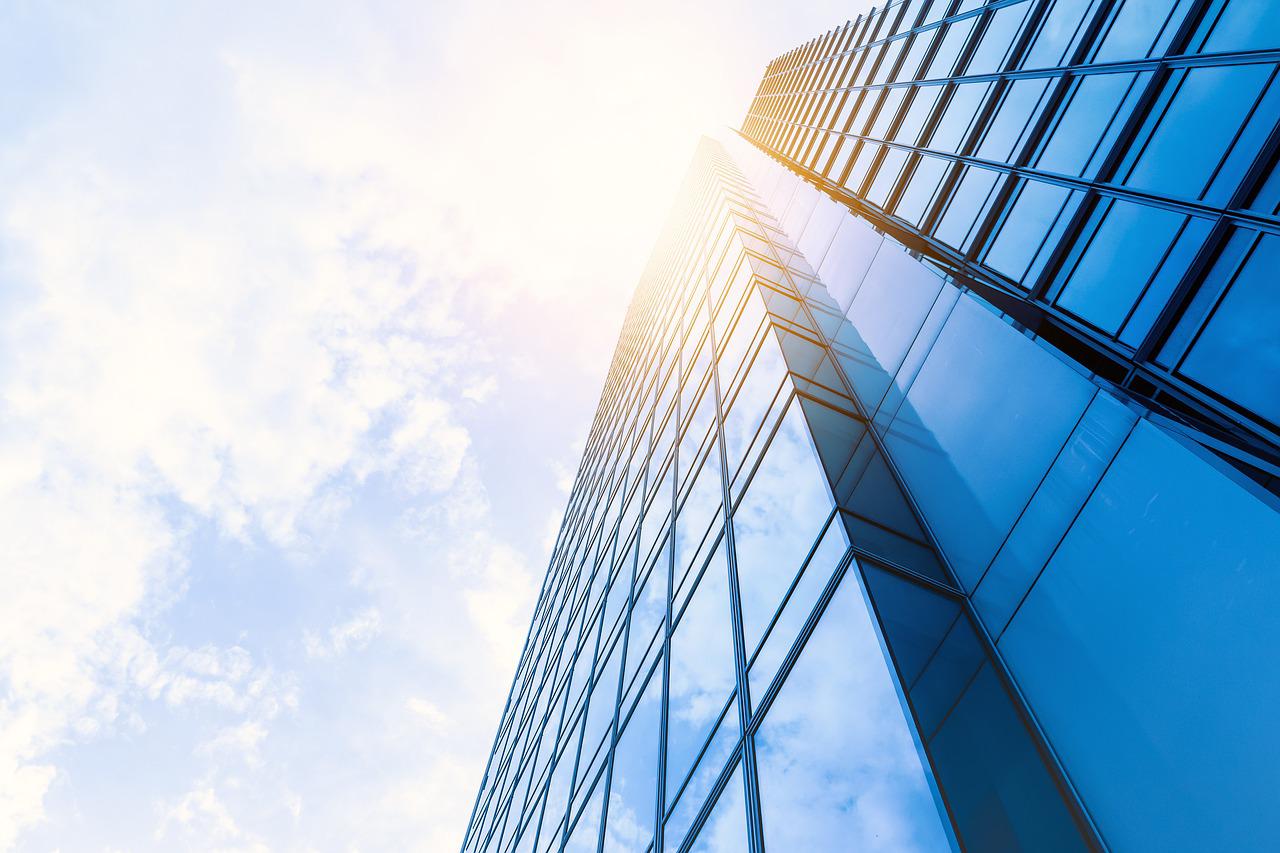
[
  {"x": 647, "y": 615},
  {"x": 1121, "y": 257},
  {"x": 1023, "y": 232},
  {"x": 1057, "y": 34},
  {"x": 726, "y": 828},
  {"x": 1011, "y": 122},
  {"x": 920, "y": 191},
  {"x": 702, "y": 669},
  {"x": 633, "y": 795},
  {"x": 851, "y": 253},
  {"x": 1245, "y": 25},
  {"x": 886, "y": 176},
  {"x": 1238, "y": 353},
  {"x": 585, "y": 836},
  {"x": 983, "y": 421},
  {"x": 917, "y": 114},
  {"x": 838, "y": 761},
  {"x": 967, "y": 206},
  {"x": 752, "y": 401},
  {"x": 1141, "y": 28},
  {"x": 1143, "y": 645},
  {"x": 952, "y": 42},
  {"x": 800, "y": 601},
  {"x": 1198, "y": 125},
  {"x": 954, "y": 125},
  {"x": 999, "y": 37},
  {"x": 701, "y": 780},
  {"x": 1079, "y": 139},
  {"x": 777, "y": 521}
]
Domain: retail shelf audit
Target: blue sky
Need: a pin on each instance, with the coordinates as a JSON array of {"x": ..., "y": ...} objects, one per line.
[{"x": 304, "y": 310}]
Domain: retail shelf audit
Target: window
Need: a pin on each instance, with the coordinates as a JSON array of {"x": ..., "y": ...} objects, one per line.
[
  {"x": 1081, "y": 137},
  {"x": 1238, "y": 353},
  {"x": 839, "y": 768},
  {"x": 1197, "y": 120}
]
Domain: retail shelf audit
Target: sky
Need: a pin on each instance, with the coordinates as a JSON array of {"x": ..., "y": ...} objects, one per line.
[{"x": 304, "y": 312}]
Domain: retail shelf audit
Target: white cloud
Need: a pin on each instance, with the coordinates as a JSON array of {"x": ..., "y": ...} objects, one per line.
[{"x": 354, "y": 633}]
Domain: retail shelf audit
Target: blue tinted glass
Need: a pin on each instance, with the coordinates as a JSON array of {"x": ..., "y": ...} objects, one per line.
[
  {"x": 1204, "y": 116},
  {"x": 702, "y": 668},
  {"x": 1245, "y": 25},
  {"x": 966, "y": 206},
  {"x": 955, "y": 122},
  {"x": 953, "y": 40},
  {"x": 995, "y": 782},
  {"x": 1122, "y": 256},
  {"x": 1075, "y": 137},
  {"x": 699, "y": 514},
  {"x": 1238, "y": 353},
  {"x": 803, "y": 596},
  {"x": 1065, "y": 489},
  {"x": 689, "y": 796},
  {"x": 887, "y": 313},
  {"x": 1175, "y": 264},
  {"x": 777, "y": 521},
  {"x": 726, "y": 828},
  {"x": 839, "y": 766},
  {"x": 585, "y": 836},
  {"x": 1140, "y": 28},
  {"x": 980, "y": 426},
  {"x": 854, "y": 247},
  {"x": 633, "y": 795},
  {"x": 1143, "y": 649},
  {"x": 1023, "y": 231},
  {"x": 752, "y": 400},
  {"x": 1057, "y": 34},
  {"x": 915, "y": 199},
  {"x": 997, "y": 40},
  {"x": 1010, "y": 123}
]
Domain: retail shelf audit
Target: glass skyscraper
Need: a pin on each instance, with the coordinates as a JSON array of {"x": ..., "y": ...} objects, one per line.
[{"x": 931, "y": 500}]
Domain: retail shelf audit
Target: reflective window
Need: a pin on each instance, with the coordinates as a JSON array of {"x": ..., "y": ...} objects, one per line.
[
  {"x": 1030, "y": 230},
  {"x": 777, "y": 521},
  {"x": 633, "y": 794},
  {"x": 1141, "y": 28},
  {"x": 1139, "y": 648},
  {"x": 702, "y": 669},
  {"x": 726, "y": 828},
  {"x": 1238, "y": 352},
  {"x": 1082, "y": 136},
  {"x": 983, "y": 421},
  {"x": 689, "y": 790},
  {"x": 1200, "y": 119},
  {"x": 1119, "y": 259},
  {"x": 839, "y": 767},
  {"x": 1243, "y": 25}
]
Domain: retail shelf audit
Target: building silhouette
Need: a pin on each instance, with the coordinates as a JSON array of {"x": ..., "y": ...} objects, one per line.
[{"x": 930, "y": 502}]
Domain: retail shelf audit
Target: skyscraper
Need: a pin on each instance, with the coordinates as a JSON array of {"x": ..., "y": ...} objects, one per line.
[{"x": 931, "y": 498}]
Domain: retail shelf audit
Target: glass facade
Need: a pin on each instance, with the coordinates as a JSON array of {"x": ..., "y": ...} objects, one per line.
[
  {"x": 930, "y": 500},
  {"x": 1103, "y": 171}
]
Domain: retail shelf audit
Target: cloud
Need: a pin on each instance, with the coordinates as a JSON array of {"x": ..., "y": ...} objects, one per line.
[{"x": 354, "y": 633}]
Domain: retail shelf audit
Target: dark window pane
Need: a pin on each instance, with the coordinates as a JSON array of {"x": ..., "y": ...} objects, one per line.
[
  {"x": 1245, "y": 25},
  {"x": 1079, "y": 139},
  {"x": 1238, "y": 353}
]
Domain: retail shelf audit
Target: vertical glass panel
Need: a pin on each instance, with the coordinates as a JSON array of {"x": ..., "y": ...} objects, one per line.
[
  {"x": 1037, "y": 211},
  {"x": 967, "y": 206},
  {"x": 1197, "y": 127},
  {"x": 752, "y": 401},
  {"x": 954, "y": 125},
  {"x": 839, "y": 765},
  {"x": 980, "y": 426},
  {"x": 999, "y": 36},
  {"x": 854, "y": 247},
  {"x": 800, "y": 601},
  {"x": 777, "y": 521},
  {"x": 1144, "y": 650},
  {"x": 1238, "y": 353},
  {"x": 1061, "y": 27},
  {"x": 1121, "y": 257},
  {"x": 1075, "y": 141},
  {"x": 1009, "y": 126},
  {"x": 920, "y": 192},
  {"x": 726, "y": 828},
  {"x": 633, "y": 796},
  {"x": 1141, "y": 28},
  {"x": 702, "y": 669},
  {"x": 698, "y": 514},
  {"x": 690, "y": 794},
  {"x": 585, "y": 836},
  {"x": 1245, "y": 25},
  {"x": 1052, "y": 510}
]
